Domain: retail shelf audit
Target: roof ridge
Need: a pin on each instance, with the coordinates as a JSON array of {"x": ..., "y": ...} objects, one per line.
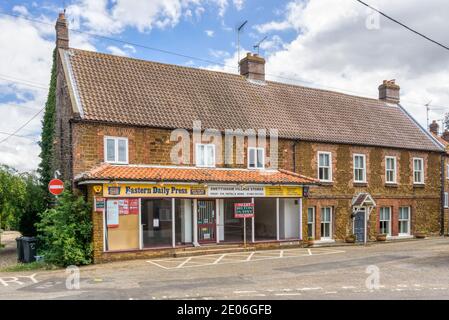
[{"x": 221, "y": 72}]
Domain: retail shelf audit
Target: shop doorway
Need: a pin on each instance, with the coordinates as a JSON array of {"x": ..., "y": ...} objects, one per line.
[{"x": 206, "y": 221}]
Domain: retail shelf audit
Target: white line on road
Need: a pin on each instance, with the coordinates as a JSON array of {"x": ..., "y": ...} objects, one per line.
[
  {"x": 310, "y": 252},
  {"x": 219, "y": 259},
  {"x": 182, "y": 264},
  {"x": 250, "y": 256},
  {"x": 288, "y": 294}
]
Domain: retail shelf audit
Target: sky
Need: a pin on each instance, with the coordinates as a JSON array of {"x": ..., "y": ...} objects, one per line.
[{"x": 336, "y": 45}]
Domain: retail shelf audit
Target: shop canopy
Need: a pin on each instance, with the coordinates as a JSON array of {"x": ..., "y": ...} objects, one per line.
[{"x": 112, "y": 173}]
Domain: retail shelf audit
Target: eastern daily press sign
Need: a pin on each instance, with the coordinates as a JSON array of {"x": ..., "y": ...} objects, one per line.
[{"x": 243, "y": 210}]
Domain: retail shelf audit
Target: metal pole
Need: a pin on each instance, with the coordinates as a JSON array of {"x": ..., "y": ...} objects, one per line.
[{"x": 244, "y": 232}]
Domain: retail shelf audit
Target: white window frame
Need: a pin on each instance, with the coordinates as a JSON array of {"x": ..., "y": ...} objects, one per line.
[
  {"x": 312, "y": 222},
  {"x": 389, "y": 220},
  {"x": 408, "y": 221},
  {"x": 116, "y": 156},
  {"x": 364, "y": 167},
  {"x": 208, "y": 145},
  {"x": 447, "y": 171},
  {"x": 330, "y": 165},
  {"x": 256, "y": 157},
  {"x": 394, "y": 170},
  {"x": 446, "y": 200},
  {"x": 415, "y": 171},
  {"x": 330, "y": 223}
]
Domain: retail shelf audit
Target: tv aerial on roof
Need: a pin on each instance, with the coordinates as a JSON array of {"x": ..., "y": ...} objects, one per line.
[{"x": 257, "y": 45}]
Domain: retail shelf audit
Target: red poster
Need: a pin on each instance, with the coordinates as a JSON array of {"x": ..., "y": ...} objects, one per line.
[
  {"x": 133, "y": 206},
  {"x": 123, "y": 207}
]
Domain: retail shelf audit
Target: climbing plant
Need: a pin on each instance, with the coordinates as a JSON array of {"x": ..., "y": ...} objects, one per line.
[{"x": 47, "y": 136}]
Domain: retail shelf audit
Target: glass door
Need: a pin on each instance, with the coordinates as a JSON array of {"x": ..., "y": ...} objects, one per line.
[{"x": 206, "y": 221}]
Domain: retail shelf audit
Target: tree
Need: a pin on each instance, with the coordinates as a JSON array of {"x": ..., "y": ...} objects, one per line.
[
  {"x": 12, "y": 195},
  {"x": 65, "y": 231},
  {"x": 47, "y": 137},
  {"x": 32, "y": 205}
]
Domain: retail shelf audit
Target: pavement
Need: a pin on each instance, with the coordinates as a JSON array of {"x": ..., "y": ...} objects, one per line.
[{"x": 396, "y": 270}]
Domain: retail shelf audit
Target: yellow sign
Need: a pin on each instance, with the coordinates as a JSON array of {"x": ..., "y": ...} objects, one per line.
[
  {"x": 156, "y": 190},
  {"x": 283, "y": 191},
  {"x": 98, "y": 189}
]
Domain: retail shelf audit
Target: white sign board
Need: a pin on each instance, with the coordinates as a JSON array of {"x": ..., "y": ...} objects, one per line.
[
  {"x": 235, "y": 191},
  {"x": 112, "y": 209}
]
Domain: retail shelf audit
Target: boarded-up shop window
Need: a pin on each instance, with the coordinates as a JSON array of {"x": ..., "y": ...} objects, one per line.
[{"x": 122, "y": 224}]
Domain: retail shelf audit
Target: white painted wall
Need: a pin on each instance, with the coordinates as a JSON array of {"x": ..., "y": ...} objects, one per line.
[{"x": 289, "y": 219}]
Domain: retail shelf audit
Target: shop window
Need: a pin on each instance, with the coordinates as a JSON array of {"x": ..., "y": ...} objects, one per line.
[
  {"x": 265, "y": 219},
  {"x": 418, "y": 170},
  {"x": 359, "y": 168},
  {"x": 116, "y": 150},
  {"x": 404, "y": 221},
  {"x": 233, "y": 227},
  {"x": 385, "y": 221},
  {"x": 326, "y": 223},
  {"x": 256, "y": 158},
  {"x": 325, "y": 166},
  {"x": 156, "y": 222},
  {"x": 205, "y": 155},
  {"x": 390, "y": 169},
  {"x": 311, "y": 222},
  {"x": 121, "y": 224}
]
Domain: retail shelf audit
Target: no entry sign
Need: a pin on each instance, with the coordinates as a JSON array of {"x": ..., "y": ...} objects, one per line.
[{"x": 56, "y": 187}]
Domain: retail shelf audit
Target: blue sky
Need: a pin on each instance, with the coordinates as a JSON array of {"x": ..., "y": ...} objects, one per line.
[{"x": 328, "y": 44}]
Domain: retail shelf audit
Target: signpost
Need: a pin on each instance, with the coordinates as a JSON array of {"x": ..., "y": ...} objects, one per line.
[
  {"x": 56, "y": 187},
  {"x": 243, "y": 211}
]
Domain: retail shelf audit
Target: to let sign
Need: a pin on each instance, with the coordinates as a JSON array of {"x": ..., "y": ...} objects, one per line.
[
  {"x": 244, "y": 210},
  {"x": 56, "y": 187}
]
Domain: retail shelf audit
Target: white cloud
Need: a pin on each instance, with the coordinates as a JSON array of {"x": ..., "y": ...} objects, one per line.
[
  {"x": 335, "y": 49},
  {"x": 219, "y": 54},
  {"x": 20, "y": 10},
  {"x": 238, "y": 4},
  {"x": 117, "y": 51},
  {"x": 209, "y": 33}
]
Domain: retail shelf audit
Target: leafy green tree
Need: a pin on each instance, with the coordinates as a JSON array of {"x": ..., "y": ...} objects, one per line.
[
  {"x": 32, "y": 205},
  {"x": 65, "y": 231},
  {"x": 47, "y": 137},
  {"x": 12, "y": 195}
]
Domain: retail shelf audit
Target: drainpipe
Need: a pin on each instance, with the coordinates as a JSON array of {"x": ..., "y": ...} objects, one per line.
[
  {"x": 443, "y": 155},
  {"x": 294, "y": 155}
]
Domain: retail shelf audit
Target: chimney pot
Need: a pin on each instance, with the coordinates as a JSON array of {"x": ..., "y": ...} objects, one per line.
[
  {"x": 389, "y": 91},
  {"x": 253, "y": 67}
]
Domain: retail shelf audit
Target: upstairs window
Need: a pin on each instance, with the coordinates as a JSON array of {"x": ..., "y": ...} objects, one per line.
[
  {"x": 418, "y": 170},
  {"x": 359, "y": 168},
  {"x": 256, "y": 158},
  {"x": 325, "y": 166},
  {"x": 116, "y": 150},
  {"x": 447, "y": 172},
  {"x": 446, "y": 200},
  {"x": 205, "y": 155},
  {"x": 390, "y": 169}
]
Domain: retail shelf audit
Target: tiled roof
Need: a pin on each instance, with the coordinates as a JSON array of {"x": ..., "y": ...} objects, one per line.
[
  {"x": 129, "y": 91},
  {"x": 189, "y": 174}
]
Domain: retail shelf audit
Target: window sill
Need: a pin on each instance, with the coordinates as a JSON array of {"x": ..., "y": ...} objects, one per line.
[
  {"x": 326, "y": 183},
  {"x": 419, "y": 185},
  {"x": 398, "y": 237},
  {"x": 360, "y": 184},
  {"x": 391, "y": 185},
  {"x": 322, "y": 241}
]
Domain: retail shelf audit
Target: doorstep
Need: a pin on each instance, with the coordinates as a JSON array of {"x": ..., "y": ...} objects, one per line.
[{"x": 211, "y": 249}]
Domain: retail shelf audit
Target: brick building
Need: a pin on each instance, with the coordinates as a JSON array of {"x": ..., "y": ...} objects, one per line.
[{"x": 128, "y": 137}]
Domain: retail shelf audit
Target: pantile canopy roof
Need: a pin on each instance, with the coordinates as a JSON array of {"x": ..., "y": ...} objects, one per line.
[
  {"x": 193, "y": 175},
  {"x": 123, "y": 90}
]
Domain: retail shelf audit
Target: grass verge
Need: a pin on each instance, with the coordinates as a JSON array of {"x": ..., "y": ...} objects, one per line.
[{"x": 29, "y": 267}]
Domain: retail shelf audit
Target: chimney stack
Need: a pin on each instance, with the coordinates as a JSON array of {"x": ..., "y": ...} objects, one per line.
[
  {"x": 389, "y": 91},
  {"x": 62, "y": 32},
  {"x": 445, "y": 135},
  {"x": 434, "y": 127},
  {"x": 253, "y": 67}
]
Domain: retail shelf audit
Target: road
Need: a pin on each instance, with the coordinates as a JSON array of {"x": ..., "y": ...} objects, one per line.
[{"x": 399, "y": 270}]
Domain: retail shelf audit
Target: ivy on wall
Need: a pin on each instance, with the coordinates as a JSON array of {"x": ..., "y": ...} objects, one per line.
[{"x": 48, "y": 134}]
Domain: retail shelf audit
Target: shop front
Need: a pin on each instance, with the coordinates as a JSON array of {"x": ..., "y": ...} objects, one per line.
[{"x": 152, "y": 215}]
